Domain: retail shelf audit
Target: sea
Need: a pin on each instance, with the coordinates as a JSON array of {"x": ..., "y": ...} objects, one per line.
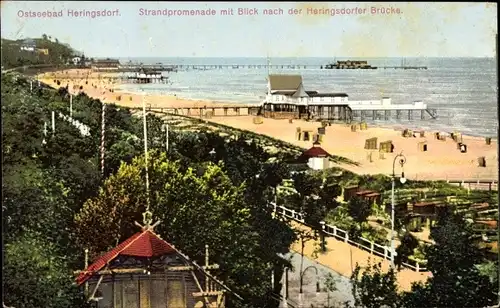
[{"x": 463, "y": 91}]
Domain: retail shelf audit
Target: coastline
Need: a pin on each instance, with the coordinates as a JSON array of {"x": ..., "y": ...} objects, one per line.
[{"x": 442, "y": 160}]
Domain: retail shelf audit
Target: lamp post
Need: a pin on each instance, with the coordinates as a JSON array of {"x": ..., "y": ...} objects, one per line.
[
  {"x": 165, "y": 129},
  {"x": 402, "y": 161},
  {"x": 322, "y": 236},
  {"x": 301, "y": 293}
]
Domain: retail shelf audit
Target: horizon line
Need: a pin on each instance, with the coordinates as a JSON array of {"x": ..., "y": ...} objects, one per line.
[{"x": 290, "y": 57}]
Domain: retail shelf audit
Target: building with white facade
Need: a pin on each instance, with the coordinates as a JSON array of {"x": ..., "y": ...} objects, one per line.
[
  {"x": 287, "y": 98},
  {"x": 316, "y": 158},
  {"x": 28, "y": 45}
]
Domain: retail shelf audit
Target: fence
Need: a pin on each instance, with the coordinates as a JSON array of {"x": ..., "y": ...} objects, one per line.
[
  {"x": 342, "y": 235},
  {"x": 84, "y": 129}
]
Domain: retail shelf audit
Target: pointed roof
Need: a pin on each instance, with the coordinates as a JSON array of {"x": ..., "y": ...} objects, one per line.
[
  {"x": 142, "y": 244},
  {"x": 315, "y": 151},
  {"x": 285, "y": 82},
  {"x": 29, "y": 41}
]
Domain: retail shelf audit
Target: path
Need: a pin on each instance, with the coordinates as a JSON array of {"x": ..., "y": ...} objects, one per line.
[
  {"x": 310, "y": 296},
  {"x": 342, "y": 258}
]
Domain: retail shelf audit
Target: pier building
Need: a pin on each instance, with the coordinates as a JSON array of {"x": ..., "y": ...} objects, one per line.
[
  {"x": 105, "y": 64},
  {"x": 287, "y": 98},
  {"x": 146, "y": 76}
]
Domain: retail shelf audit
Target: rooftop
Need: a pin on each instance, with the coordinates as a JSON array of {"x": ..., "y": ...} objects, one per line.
[
  {"x": 285, "y": 82},
  {"x": 315, "y": 151},
  {"x": 144, "y": 244},
  {"x": 29, "y": 41}
]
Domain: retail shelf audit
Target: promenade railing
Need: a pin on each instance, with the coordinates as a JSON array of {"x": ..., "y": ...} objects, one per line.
[{"x": 343, "y": 235}]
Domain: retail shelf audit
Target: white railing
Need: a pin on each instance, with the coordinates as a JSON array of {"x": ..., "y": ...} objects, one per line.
[
  {"x": 84, "y": 129},
  {"x": 342, "y": 235}
]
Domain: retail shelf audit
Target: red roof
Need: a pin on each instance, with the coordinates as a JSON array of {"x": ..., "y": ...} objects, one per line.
[
  {"x": 315, "y": 152},
  {"x": 142, "y": 244},
  {"x": 489, "y": 223}
]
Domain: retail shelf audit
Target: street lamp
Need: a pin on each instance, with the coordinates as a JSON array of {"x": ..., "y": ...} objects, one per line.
[
  {"x": 402, "y": 161},
  {"x": 318, "y": 290}
]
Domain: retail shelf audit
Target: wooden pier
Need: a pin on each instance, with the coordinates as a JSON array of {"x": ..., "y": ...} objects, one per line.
[
  {"x": 385, "y": 114},
  {"x": 340, "y": 113},
  {"x": 205, "y": 67},
  {"x": 405, "y": 67},
  {"x": 208, "y": 111}
]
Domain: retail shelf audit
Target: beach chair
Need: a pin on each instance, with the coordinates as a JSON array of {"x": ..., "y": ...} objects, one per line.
[
  {"x": 298, "y": 134},
  {"x": 422, "y": 146},
  {"x": 256, "y": 120},
  {"x": 386, "y": 147},
  {"x": 371, "y": 143}
]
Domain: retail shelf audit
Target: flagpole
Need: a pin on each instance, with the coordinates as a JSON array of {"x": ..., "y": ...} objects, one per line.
[
  {"x": 498, "y": 191},
  {"x": 145, "y": 149},
  {"x": 103, "y": 133}
]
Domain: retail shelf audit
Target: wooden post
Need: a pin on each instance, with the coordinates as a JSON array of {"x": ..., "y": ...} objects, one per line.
[
  {"x": 53, "y": 122},
  {"x": 206, "y": 264},
  {"x": 86, "y": 265},
  {"x": 103, "y": 130}
]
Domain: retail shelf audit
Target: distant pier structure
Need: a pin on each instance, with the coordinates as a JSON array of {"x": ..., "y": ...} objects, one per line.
[
  {"x": 145, "y": 76},
  {"x": 113, "y": 65},
  {"x": 356, "y": 65}
]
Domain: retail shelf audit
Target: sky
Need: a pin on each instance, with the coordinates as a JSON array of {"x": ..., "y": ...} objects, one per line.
[{"x": 356, "y": 29}]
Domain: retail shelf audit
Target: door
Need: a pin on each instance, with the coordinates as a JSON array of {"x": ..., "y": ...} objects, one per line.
[{"x": 175, "y": 294}]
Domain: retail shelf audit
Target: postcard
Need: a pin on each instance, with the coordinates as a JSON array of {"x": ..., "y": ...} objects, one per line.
[{"x": 250, "y": 154}]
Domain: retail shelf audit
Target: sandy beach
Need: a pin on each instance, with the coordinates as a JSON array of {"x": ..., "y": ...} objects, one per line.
[
  {"x": 102, "y": 86},
  {"x": 441, "y": 161}
]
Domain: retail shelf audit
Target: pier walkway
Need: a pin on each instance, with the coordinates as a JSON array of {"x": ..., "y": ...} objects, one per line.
[
  {"x": 202, "y": 67},
  {"x": 365, "y": 108}
]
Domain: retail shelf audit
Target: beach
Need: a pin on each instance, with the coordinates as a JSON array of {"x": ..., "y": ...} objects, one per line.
[
  {"x": 442, "y": 160},
  {"x": 103, "y": 87}
]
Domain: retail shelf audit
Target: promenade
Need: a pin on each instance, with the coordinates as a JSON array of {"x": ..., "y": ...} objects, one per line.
[{"x": 342, "y": 257}]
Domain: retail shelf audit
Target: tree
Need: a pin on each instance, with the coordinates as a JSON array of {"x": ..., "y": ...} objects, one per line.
[
  {"x": 35, "y": 201},
  {"x": 456, "y": 281},
  {"x": 34, "y": 275},
  {"x": 374, "y": 288},
  {"x": 196, "y": 206},
  {"x": 359, "y": 209},
  {"x": 405, "y": 249}
]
